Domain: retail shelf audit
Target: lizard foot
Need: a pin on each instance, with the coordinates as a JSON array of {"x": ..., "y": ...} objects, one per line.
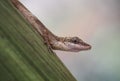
[{"x": 49, "y": 47}]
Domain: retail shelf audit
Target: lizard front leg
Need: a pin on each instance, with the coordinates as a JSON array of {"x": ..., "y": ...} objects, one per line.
[{"x": 47, "y": 40}]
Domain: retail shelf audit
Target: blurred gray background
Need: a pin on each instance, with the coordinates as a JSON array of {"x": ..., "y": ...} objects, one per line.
[{"x": 96, "y": 22}]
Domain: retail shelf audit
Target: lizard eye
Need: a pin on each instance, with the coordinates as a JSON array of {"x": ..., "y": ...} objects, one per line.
[{"x": 75, "y": 40}]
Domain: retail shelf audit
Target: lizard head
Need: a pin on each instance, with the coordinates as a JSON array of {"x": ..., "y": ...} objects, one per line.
[{"x": 75, "y": 44}]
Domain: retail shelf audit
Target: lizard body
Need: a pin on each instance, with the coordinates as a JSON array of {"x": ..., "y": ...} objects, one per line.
[{"x": 73, "y": 44}]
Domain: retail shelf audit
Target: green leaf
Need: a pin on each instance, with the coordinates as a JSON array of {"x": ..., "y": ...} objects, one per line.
[{"x": 23, "y": 54}]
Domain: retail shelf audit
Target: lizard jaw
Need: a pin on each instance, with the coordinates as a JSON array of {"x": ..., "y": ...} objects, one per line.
[
  {"x": 68, "y": 46},
  {"x": 77, "y": 47}
]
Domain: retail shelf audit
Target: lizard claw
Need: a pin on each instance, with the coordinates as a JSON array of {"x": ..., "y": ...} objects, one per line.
[
  {"x": 49, "y": 47},
  {"x": 50, "y": 50}
]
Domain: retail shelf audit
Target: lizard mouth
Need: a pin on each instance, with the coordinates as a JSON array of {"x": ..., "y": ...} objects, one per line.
[
  {"x": 85, "y": 46},
  {"x": 78, "y": 47}
]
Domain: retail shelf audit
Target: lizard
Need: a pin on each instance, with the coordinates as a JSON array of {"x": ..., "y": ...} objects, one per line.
[{"x": 72, "y": 44}]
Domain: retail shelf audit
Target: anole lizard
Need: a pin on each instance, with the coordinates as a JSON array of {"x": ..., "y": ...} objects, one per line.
[{"x": 73, "y": 44}]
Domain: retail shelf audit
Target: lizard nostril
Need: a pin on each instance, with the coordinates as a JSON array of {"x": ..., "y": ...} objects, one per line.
[
  {"x": 87, "y": 46},
  {"x": 90, "y": 47}
]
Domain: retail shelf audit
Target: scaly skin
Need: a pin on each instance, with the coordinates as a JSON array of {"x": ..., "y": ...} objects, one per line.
[{"x": 73, "y": 44}]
